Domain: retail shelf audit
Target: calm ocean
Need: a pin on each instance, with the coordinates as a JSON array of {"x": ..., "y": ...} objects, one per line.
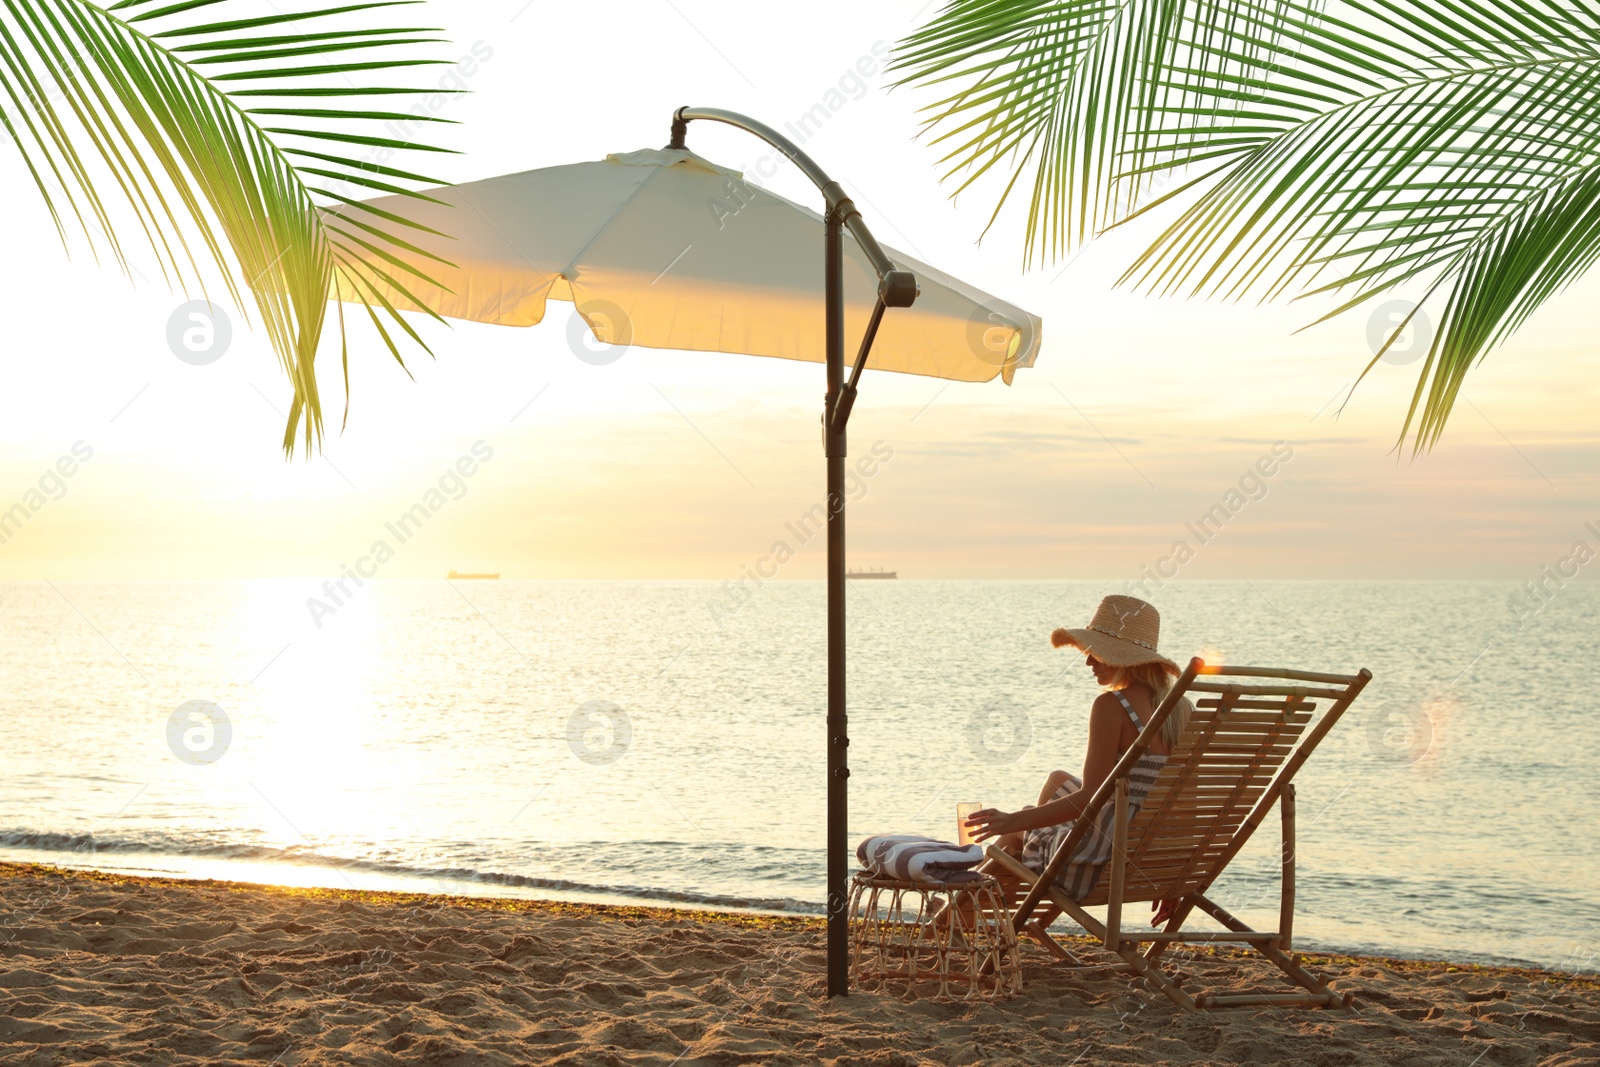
[{"x": 607, "y": 740}]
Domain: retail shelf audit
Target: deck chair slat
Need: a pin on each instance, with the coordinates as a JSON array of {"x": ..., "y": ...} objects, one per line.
[
  {"x": 1193, "y": 819},
  {"x": 1203, "y": 798},
  {"x": 1185, "y": 802},
  {"x": 1184, "y": 828},
  {"x": 1203, "y": 777},
  {"x": 1143, "y": 889},
  {"x": 1232, "y": 730},
  {"x": 1160, "y": 868},
  {"x": 1163, "y": 882},
  {"x": 1212, "y": 793},
  {"x": 1235, "y": 732},
  {"x": 1189, "y": 806},
  {"x": 1161, "y": 860},
  {"x": 1247, "y": 710},
  {"x": 1208, "y": 770},
  {"x": 1186, "y": 824},
  {"x": 1219, "y": 778},
  {"x": 1304, "y": 692},
  {"x": 1229, "y": 733},
  {"x": 1256, "y": 710},
  {"x": 1280, "y": 672},
  {"x": 1246, "y": 774},
  {"x": 1246, "y": 721},
  {"x": 1161, "y": 848},
  {"x": 1160, "y": 863},
  {"x": 1182, "y": 793},
  {"x": 1175, "y": 841},
  {"x": 1156, "y": 846}
]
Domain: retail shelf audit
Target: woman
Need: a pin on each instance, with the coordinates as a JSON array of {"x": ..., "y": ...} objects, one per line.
[{"x": 1120, "y": 646}]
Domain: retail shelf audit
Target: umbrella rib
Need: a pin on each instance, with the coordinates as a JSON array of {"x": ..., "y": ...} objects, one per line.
[
  {"x": 600, "y": 231},
  {"x": 674, "y": 263}
]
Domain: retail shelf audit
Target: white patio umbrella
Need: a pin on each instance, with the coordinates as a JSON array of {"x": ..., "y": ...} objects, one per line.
[{"x": 663, "y": 249}]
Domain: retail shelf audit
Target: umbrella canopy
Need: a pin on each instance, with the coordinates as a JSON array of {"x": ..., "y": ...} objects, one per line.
[{"x": 664, "y": 249}]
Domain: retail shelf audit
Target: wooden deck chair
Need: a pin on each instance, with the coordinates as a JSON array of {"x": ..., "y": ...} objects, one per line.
[{"x": 1236, "y": 758}]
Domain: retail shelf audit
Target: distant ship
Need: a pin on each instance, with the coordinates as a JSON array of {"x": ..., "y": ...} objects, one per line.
[
  {"x": 870, "y": 574},
  {"x": 461, "y": 575}
]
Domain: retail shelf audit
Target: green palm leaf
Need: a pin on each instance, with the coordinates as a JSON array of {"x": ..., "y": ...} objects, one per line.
[
  {"x": 1347, "y": 150},
  {"x": 192, "y": 123},
  {"x": 1062, "y": 88}
]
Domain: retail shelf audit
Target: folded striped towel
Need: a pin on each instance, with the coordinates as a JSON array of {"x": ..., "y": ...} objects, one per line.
[{"x": 914, "y": 858}]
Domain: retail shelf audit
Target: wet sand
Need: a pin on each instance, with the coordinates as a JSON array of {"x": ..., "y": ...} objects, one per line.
[{"x": 105, "y": 969}]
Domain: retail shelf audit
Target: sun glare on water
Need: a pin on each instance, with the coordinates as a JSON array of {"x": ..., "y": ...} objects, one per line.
[{"x": 306, "y": 755}]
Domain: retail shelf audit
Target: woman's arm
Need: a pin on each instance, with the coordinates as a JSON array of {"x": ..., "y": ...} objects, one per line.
[{"x": 1106, "y": 718}]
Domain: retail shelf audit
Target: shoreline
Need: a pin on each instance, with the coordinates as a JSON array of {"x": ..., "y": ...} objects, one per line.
[
  {"x": 490, "y": 885},
  {"x": 401, "y": 898},
  {"x": 708, "y": 910},
  {"x": 108, "y": 969},
  {"x": 747, "y": 919}
]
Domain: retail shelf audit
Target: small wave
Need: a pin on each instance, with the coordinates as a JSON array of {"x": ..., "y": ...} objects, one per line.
[{"x": 83, "y": 845}]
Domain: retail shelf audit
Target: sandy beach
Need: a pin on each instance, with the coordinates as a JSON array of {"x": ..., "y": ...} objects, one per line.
[{"x": 103, "y": 969}]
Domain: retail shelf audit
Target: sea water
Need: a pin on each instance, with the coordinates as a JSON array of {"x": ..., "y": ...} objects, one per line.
[{"x": 664, "y": 741}]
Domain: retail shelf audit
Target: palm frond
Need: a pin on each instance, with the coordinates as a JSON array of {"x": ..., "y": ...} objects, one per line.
[
  {"x": 199, "y": 126},
  {"x": 1343, "y": 151},
  {"x": 1061, "y": 87},
  {"x": 1451, "y": 147}
]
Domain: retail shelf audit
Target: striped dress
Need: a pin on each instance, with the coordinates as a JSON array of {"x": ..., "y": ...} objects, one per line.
[{"x": 1077, "y": 877}]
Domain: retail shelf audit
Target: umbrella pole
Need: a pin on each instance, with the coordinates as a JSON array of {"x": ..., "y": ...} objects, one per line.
[
  {"x": 838, "y": 725},
  {"x": 896, "y": 288}
]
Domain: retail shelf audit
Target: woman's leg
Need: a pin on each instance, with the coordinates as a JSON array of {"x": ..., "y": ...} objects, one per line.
[{"x": 1053, "y": 782}]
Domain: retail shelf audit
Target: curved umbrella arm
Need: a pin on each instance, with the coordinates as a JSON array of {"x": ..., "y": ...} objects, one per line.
[{"x": 896, "y": 288}]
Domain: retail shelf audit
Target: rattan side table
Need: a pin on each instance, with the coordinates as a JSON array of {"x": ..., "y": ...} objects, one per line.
[{"x": 944, "y": 940}]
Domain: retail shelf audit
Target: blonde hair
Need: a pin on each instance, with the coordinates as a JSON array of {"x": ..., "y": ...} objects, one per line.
[{"x": 1154, "y": 677}]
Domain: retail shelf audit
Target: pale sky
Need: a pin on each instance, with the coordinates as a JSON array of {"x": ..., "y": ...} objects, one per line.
[{"x": 1140, "y": 415}]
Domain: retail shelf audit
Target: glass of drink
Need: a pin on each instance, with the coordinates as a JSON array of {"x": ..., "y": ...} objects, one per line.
[{"x": 963, "y": 831}]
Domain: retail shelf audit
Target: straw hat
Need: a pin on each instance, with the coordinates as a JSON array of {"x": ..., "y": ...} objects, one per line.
[{"x": 1123, "y": 633}]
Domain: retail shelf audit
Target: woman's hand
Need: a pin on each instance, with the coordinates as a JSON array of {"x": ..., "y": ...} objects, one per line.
[{"x": 991, "y": 822}]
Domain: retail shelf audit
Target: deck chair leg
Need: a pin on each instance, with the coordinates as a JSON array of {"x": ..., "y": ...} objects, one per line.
[
  {"x": 1119, "y": 866},
  {"x": 1153, "y": 975},
  {"x": 1290, "y": 966},
  {"x": 1132, "y": 961},
  {"x": 1035, "y": 929},
  {"x": 1286, "y": 898},
  {"x": 1038, "y": 928},
  {"x": 1087, "y": 921},
  {"x": 1174, "y": 924},
  {"x": 1218, "y": 912}
]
